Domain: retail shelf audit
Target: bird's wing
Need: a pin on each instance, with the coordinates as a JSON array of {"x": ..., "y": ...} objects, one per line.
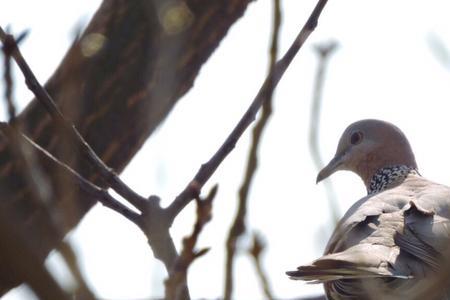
[
  {"x": 396, "y": 233},
  {"x": 426, "y": 234},
  {"x": 369, "y": 239},
  {"x": 373, "y": 255},
  {"x": 350, "y": 264},
  {"x": 361, "y": 220}
]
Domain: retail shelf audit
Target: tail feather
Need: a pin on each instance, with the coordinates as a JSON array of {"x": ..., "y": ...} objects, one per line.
[
  {"x": 314, "y": 275},
  {"x": 353, "y": 264}
]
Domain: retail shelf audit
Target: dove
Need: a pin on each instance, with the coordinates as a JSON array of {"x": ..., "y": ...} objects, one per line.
[{"x": 394, "y": 242}]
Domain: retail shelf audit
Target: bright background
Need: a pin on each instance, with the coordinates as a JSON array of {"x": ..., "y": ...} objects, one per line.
[{"x": 384, "y": 68}]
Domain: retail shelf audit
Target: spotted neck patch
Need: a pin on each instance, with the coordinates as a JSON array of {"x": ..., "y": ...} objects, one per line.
[{"x": 384, "y": 177}]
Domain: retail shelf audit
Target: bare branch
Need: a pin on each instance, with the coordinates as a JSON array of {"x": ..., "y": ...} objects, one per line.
[
  {"x": 34, "y": 177},
  {"x": 324, "y": 52},
  {"x": 238, "y": 226},
  {"x": 178, "y": 274},
  {"x": 208, "y": 168},
  {"x": 107, "y": 174},
  {"x": 15, "y": 250},
  {"x": 98, "y": 193},
  {"x": 257, "y": 248},
  {"x": 153, "y": 220},
  {"x": 19, "y": 151},
  {"x": 136, "y": 102},
  {"x": 8, "y": 82}
]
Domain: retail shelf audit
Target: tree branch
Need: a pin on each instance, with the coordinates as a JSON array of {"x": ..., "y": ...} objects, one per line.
[
  {"x": 154, "y": 220},
  {"x": 131, "y": 65},
  {"x": 107, "y": 174},
  {"x": 178, "y": 274},
  {"x": 208, "y": 168},
  {"x": 238, "y": 226},
  {"x": 15, "y": 250},
  {"x": 86, "y": 186},
  {"x": 255, "y": 251},
  {"x": 324, "y": 52}
]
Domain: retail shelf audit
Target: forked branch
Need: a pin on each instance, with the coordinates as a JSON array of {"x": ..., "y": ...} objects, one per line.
[
  {"x": 107, "y": 174},
  {"x": 178, "y": 274},
  {"x": 154, "y": 220}
]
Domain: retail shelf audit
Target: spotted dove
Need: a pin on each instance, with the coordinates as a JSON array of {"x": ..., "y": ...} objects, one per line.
[{"x": 394, "y": 242}]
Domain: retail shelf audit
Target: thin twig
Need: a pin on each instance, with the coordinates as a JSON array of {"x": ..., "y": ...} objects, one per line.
[
  {"x": 208, "y": 168},
  {"x": 324, "y": 52},
  {"x": 255, "y": 251},
  {"x": 86, "y": 186},
  {"x": 238, "y": 226},
  {"x": 107, "y": 174},
  {"x": 33, "y": 175},
  {"x": 157, "y": 230},
  {"x": 152, "y": 220},
  {"x": 177, "y": 276},
  {"x": 19, "y": 151},
  {"x": 16, "y": 251},
  {"x": 9, "y": 83}
]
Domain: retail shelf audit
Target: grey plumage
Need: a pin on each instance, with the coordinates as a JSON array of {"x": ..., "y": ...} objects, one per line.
[{"x": 393, "y": 243}]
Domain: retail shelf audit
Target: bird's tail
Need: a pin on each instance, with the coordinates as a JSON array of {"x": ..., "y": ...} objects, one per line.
[
  {"x": 316, "y": 274},
  {"x": 345, "y": 265}
]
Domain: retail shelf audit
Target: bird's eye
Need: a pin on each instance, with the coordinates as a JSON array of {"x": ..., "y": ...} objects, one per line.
[{"x": 356, "y": 138}]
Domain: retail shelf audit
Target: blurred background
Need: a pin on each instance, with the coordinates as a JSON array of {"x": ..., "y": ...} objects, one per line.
[{"x": 391, "y": 63}]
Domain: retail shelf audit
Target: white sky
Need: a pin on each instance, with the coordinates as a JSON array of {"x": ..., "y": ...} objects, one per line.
[{"x": 384, "y": 68}]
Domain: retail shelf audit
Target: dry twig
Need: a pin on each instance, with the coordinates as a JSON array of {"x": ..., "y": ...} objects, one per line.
[
  {"x": 19, "y": 257},
  {"x": 238, "y": 226},
  {"x": 19, "y": 254},
  {"x": 107, "y": 174},
  {"x": 178, "y": 274},
  {"x": 255, "y": 251},
  {"x": 86, "y": 186},
  {"x": 8, "y": 82},
  {"x": 127, "y": 80},
  {"x": 208, "y": 168},
  {"x": 155, "y": 221},
  {"x": 324, "y": 52}
]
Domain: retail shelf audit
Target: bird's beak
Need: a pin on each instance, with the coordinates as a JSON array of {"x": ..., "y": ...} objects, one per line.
[{"x": 329, "y": 169}]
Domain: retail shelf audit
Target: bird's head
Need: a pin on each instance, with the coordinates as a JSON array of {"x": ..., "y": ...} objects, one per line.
[{"x": 367, "y": 146}]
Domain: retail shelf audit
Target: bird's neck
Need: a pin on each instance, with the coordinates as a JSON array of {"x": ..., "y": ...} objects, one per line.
[{"x": 387, "y": 177}]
